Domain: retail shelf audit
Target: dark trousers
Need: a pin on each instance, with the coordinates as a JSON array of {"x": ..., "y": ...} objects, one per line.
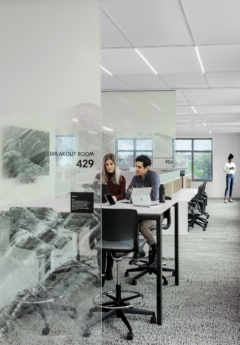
[
  {"x": 106, "y": 258},
  {"x": 229, "y": 184}
]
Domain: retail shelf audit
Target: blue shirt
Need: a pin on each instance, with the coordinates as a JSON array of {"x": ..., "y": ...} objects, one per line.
[{"x": 151, "y": 179}]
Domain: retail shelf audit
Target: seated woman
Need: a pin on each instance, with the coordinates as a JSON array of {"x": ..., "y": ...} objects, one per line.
[{"x": 117, "y": 187}]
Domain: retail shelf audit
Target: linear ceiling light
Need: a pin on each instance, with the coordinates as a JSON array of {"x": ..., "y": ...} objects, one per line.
[
  {"x": 199, "y": 59},
  {"x": 106, "y": 70},
  {"x": 204, "y": 123},
  {"x": 75, "y": 120},
  {"x": 108, "y": 129},
  {"x": 193, "y": 109},
  {"x": 156, "y": 106},
  {"x": 146, "y": 61}
]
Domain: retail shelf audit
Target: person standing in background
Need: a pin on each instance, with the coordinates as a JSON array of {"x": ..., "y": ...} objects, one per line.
[{"x": 230, "y": 169}]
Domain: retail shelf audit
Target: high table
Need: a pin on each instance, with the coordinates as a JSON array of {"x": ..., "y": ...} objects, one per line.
[{"x": 154, "y": 213}]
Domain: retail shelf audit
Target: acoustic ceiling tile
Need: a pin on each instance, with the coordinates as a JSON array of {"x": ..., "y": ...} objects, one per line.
[
  {"x": 112, "y": 83},
  {"x": 143, "y": 81},
  {"x": 228, "y": 79},
  {"x": 183, "y": 80}
]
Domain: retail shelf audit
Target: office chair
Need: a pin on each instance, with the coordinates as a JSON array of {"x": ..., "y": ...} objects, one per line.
[
  {"x": 29, "y": 229},
  {"x": 196, "y": 210},
  {"x": 120, "y": 237},
  {"x": 146, "y": 267}
]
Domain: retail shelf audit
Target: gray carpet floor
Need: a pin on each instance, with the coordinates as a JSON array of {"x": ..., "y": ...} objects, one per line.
[{"x": 203, "y": 310}]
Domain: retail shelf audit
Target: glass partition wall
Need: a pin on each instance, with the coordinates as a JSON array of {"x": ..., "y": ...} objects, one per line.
[{"x": 50, "y": 151}]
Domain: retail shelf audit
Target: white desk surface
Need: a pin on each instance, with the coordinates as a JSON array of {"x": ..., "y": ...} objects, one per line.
[{"x": 63, "y": 205}]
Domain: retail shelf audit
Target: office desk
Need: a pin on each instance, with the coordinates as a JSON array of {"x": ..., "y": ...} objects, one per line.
[{"x": 154, "y": 213}]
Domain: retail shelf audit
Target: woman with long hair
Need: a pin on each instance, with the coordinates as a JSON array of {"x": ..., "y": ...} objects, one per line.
[
  {"x": 117, "y": 187},
  {"x": 230, "y": 169}
]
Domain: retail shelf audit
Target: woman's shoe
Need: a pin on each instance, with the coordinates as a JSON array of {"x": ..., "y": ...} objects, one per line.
[
  {"x": 225, "y": 200},
  {"x": 230, "y": 200},
  {"x": 109, "y": 275}
]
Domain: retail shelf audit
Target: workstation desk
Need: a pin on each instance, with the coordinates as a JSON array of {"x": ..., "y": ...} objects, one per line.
[{"x": 154, "y": 213}]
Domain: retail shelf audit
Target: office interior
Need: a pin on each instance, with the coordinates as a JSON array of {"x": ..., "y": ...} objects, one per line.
[{"x": 78, "y": 77}]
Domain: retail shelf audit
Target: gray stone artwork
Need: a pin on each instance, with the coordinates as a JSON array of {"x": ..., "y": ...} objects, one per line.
[{"x": 25, "y": 154}]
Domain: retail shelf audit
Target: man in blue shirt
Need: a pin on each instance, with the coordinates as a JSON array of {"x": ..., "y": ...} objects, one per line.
[{"x": 145, "y": 178}]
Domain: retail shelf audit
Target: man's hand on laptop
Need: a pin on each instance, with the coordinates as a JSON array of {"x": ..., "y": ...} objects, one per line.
[{"x": 130, "y": 189}]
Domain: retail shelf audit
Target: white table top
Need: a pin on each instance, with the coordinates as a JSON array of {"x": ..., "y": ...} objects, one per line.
[{"x": 63, "y": 205}]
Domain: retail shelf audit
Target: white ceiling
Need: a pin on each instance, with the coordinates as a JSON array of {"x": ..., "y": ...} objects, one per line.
[{"x": 166, "y": 32}]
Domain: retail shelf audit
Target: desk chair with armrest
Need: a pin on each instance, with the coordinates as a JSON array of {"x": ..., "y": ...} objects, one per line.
[
  {"x": 146, "y": 267},
  {"x": 120, "y": 237},
  {"x": 196, "y": 210}
]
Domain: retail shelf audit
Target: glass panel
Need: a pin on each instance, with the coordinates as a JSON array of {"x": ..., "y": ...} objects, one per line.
[
  {"x": 183, "y": 160},
  {"x": 202, "y": 145},
  {"x": 47, "y": 248},
  {"x": 146, "y": 153},
  {"x": 202, "y": 168},
  {"x": 66, "y": 144},
  {"x": 144, "y": 144},
  {"x": 125, "y": 159},
  {"x": 125, "y": 144},
  {"x": 182, "y": 144}
]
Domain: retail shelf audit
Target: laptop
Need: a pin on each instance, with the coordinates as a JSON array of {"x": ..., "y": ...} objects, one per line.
[
  {"x": 141, "y": 196},
  {"x": 104, "y": 191}
]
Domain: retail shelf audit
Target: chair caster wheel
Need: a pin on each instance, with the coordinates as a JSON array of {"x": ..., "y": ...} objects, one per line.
[
  {"x": 134, "y": 282},
  {"x": 173, "y": 274},
  {"x": 130, "y": 336},
  {"x": 153, "y": 319},
  {"x": 74, "y": 315},
  {"x": 45, "y": 330},
  {"x": 165, "y": 282},
  {"x": 126, "y": 274},
  {"x": 86, "y": 333}
]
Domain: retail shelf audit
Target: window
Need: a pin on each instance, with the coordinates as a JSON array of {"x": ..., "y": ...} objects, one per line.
[
  {"x": 66, "y": 144},
  {"x": 128, "y": 149},
  {"x": 196, "y": 155}
]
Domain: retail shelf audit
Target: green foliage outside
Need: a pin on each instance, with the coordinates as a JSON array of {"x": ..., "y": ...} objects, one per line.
[{"x": 202, "y": 166}]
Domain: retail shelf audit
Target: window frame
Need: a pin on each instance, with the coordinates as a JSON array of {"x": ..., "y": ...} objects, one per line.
[
  {"x": 134, "y": 150},
  {"x": 192, "y": 151}
]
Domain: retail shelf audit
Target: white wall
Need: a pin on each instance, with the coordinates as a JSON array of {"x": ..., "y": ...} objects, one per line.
[{"x": 223, "y": 144}]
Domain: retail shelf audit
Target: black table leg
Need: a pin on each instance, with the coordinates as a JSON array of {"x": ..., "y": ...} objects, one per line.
[
  {"x": 176, "y": 243},
  {"x": 159, "y": 270}
]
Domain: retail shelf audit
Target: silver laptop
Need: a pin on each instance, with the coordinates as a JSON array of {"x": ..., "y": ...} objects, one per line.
[{"x": 141, "y": 196}]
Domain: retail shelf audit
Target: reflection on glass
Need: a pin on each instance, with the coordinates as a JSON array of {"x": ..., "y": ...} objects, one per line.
[
  {"x": 183, "y": 160},
  {"x": 202, "y": 166},
  {"x": 144, "y": 144},
  {"x": 66, "y": 144},
  {"x": 202, "y": 144},
  {"x": 125, "y": 159},
  {"x": 183, "y": 144},
  {"x": 125, "y": 144}
]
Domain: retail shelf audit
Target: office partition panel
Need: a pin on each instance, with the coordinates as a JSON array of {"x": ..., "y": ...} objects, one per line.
[{"x": 50, "y": 152}]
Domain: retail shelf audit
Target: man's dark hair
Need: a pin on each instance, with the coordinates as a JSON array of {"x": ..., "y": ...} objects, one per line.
[
  {"x": 146, "y": 161},
  {"x": 230, "y": 156}
]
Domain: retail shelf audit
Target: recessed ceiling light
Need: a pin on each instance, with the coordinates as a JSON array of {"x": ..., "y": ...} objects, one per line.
[
  {"x": 146, "y": 61},
  {"x": 199, "y": 59},
  {"x": 156, "y": 106},
  {"x": 204, "y": 123},
  {"x": 92, "y": 132},
  {"x": 210, "y": 132},
  {"x": 193, "y": 109},
  {"x": 108, "y": 129},
  {"x": 106, "y": 70},
  {"x": 75, "y": 120}
]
